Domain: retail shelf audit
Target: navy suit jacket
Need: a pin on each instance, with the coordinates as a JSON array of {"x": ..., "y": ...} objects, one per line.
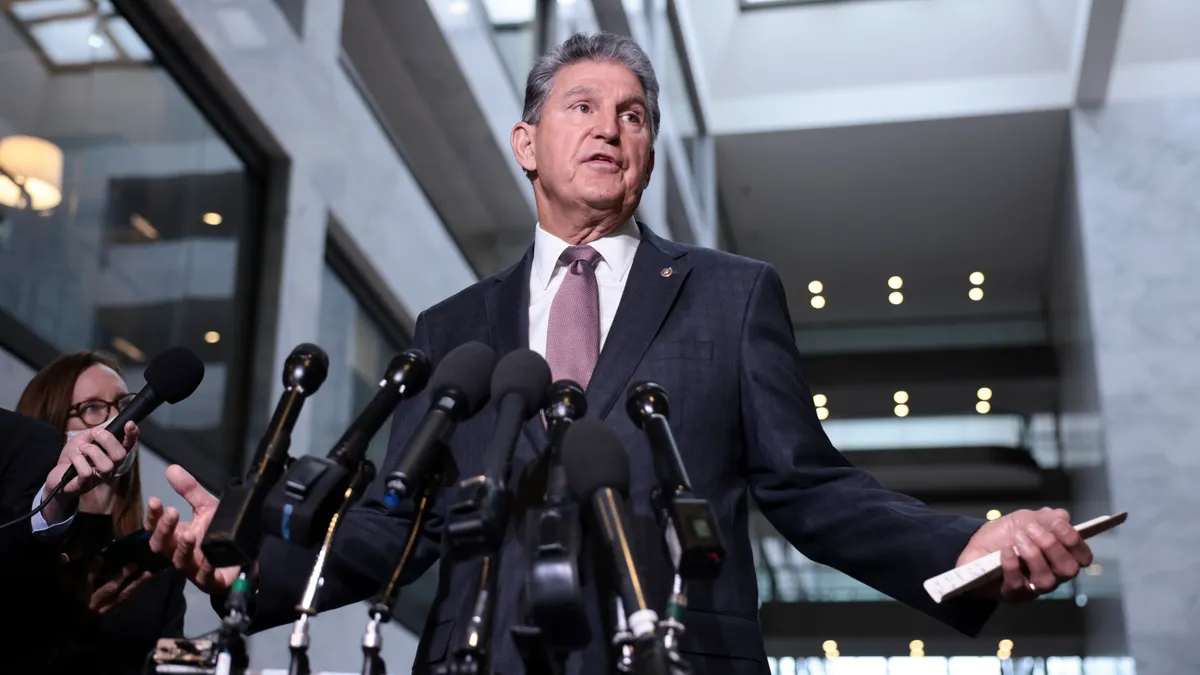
[{"x": 716, "y": 333}]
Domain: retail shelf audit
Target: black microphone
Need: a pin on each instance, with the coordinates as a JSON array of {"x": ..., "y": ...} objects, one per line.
[
  {"x": 171, "y": 377},
  {"x": 597, "y": 469},
  {"x": 554, "y": 543},
  {"x": 460, "y": 389},
  {"x": 299, "y": 507},
  {"x": 478, "y": 520},
  {"x": 235, "y": 534},
  {"x": 689, "y": 526}
]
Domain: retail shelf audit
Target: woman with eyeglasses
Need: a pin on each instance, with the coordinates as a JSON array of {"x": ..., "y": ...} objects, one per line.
[{"x": 112, "y": 622}]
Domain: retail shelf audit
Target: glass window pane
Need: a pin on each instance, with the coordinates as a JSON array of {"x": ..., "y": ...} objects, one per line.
[
  {"x": 32, "y": 10},
  {"x": 136, "y": 242},
  {"x": 510, "y": 11},
  {"x": 128, "y": 40},
  {"x": 70, "y": 42},
  {"x": 359, "y": 352}
]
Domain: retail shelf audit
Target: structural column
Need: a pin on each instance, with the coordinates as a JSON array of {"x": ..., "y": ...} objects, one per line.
[{"x": 1137, "y": 180}]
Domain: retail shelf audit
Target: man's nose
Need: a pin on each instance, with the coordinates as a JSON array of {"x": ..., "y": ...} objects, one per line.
[{"x": 607, "y": 127}]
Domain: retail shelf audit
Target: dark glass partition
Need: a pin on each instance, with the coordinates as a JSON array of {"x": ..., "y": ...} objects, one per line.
[{"x": 126, "y": 220}]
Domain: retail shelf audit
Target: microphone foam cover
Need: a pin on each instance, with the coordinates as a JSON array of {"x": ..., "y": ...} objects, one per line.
[
  {"x": 522, "y": 372},
  {"x": 593, "y": 458},
  {"x": 466, "y": 369},
  {"x": 175, "y": 374},
  {"x": 307, "y": 366}
]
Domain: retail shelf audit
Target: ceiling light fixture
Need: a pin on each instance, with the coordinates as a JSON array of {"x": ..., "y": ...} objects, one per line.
[
  {"x": 820, "y": 400},
  {"x": 994, "y": 514},
  {"x": 900, "y": 397},
  {"x": 916, "y": 649},
  {"x": 128, "y": 349},
  {"x": 895, "y": 283},
  {"x": 901, "y": 410},
  {"x": 975, "y": 294},
  {"x": 211, "y": 218},
  {"x": 829, "y": 645},
  {"x": 896, "y": 297},
  {"x": 984, "y": 394},
  {"x": 815, "y": 286},
  {"x": 1006, "y": 645},
  {"x": 138, "y": 222},
  {"x": 30, "y": 173},
  {"x": 983, "y": 407},
  {"x": 818, "y": 301},
  {"x": 822, "y": 414},
  {"x": 212, "y": 337},
  {"x": 976, "y": 278}
]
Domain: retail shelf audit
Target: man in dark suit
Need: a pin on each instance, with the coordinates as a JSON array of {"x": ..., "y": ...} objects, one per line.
[{"x": 608, "y": 303}]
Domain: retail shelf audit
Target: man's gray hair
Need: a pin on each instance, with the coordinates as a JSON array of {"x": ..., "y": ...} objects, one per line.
[{"x": 591, "y": 47}]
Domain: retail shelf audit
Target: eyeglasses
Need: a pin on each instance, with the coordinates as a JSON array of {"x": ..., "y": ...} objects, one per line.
[{"x": 95, "y": 412}]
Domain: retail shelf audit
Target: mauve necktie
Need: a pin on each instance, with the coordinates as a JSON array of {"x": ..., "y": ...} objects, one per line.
[{"x": 573, "y": 335}]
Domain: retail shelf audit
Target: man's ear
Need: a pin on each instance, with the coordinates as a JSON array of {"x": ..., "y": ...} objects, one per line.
[
  {"x": 522, "y": 141},
  {"x": 649, "y": 170}
]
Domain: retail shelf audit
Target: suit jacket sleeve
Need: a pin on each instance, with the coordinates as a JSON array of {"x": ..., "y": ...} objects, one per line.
[
  {"x": 834, "y": 513},
  {"x": 30, "y": 451},
  {"x": 368, "y": 543}
]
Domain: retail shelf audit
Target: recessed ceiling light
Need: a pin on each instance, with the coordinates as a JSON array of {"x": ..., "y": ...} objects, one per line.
[
  {"x": 983, "y": 407},
  {"x": 975, "y": 294},
  {"x": 916, "y": 644},
  {"x": 128, "y": 349},
  {"x": 211, "y": 218},
  {"x": 895, "y": 283},
  {"x": 815, "y": 286},
  {"x": 138, "y": 222},
  {"x": 896, "y": 297},
  {"x": 994, "y": 514},
  {"x": 900, "y": 397},
  {"x": 822, "y": 414},
  {"x": 212, "y": 337},
  {"x": 901, "y": 410},
  {"x": 820, "y": 400},
  {"x": 817, "y": 301},
  {"x": 1006, "y": 645},
  {"x": 984, "y": 394},
  {"x": 977, "y": 278},
  {"x": 829, "y": 645}
]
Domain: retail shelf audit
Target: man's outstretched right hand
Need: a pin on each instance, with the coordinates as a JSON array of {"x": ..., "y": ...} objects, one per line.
[{"x": 180, "y": 541}]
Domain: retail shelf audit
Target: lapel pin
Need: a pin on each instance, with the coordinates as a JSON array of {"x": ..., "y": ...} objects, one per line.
[{"x": 666, "y": 272}]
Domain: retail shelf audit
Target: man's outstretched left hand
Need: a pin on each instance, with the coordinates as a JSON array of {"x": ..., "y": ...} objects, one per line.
[{"x": 1038, "y": 551}]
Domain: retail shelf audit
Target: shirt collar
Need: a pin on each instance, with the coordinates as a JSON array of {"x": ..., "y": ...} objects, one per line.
[{"x": 617, "y": 248}]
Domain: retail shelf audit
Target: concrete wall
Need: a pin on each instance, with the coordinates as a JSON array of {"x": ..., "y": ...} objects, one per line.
[{"x": 1137, "y": 168}]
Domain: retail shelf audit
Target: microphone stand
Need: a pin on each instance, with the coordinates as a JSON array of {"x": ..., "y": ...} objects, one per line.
[
  {"x": 471, "y": 657},
  {"x": 298, "y": 642},
  {"x": 381, "y": 609},
  {"x": 231, "y": 641}
]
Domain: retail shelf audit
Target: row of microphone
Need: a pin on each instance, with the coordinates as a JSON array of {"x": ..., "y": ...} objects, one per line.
[{"x": 297, "y": 500}]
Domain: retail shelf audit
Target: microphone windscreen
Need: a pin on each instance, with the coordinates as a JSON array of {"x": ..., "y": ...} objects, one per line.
[
  {"x": 522, "y": 372},
  {"x": 306, "y": 367},
  {"x": 593, "y": 458},
  {"x": 175, "y": 374},
  {"x": 467, "y": 369}
]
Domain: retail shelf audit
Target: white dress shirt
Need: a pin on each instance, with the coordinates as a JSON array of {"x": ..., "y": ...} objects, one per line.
[{"x": 546, "y": 274}]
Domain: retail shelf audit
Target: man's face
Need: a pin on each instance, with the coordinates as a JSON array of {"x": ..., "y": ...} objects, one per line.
[{"x": 592, "y": 145}]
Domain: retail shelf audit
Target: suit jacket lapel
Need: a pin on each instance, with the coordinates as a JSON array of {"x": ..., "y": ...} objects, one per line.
[
  {"x": 507, "y": 304},
  {"x": 657, "y": 274}
]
